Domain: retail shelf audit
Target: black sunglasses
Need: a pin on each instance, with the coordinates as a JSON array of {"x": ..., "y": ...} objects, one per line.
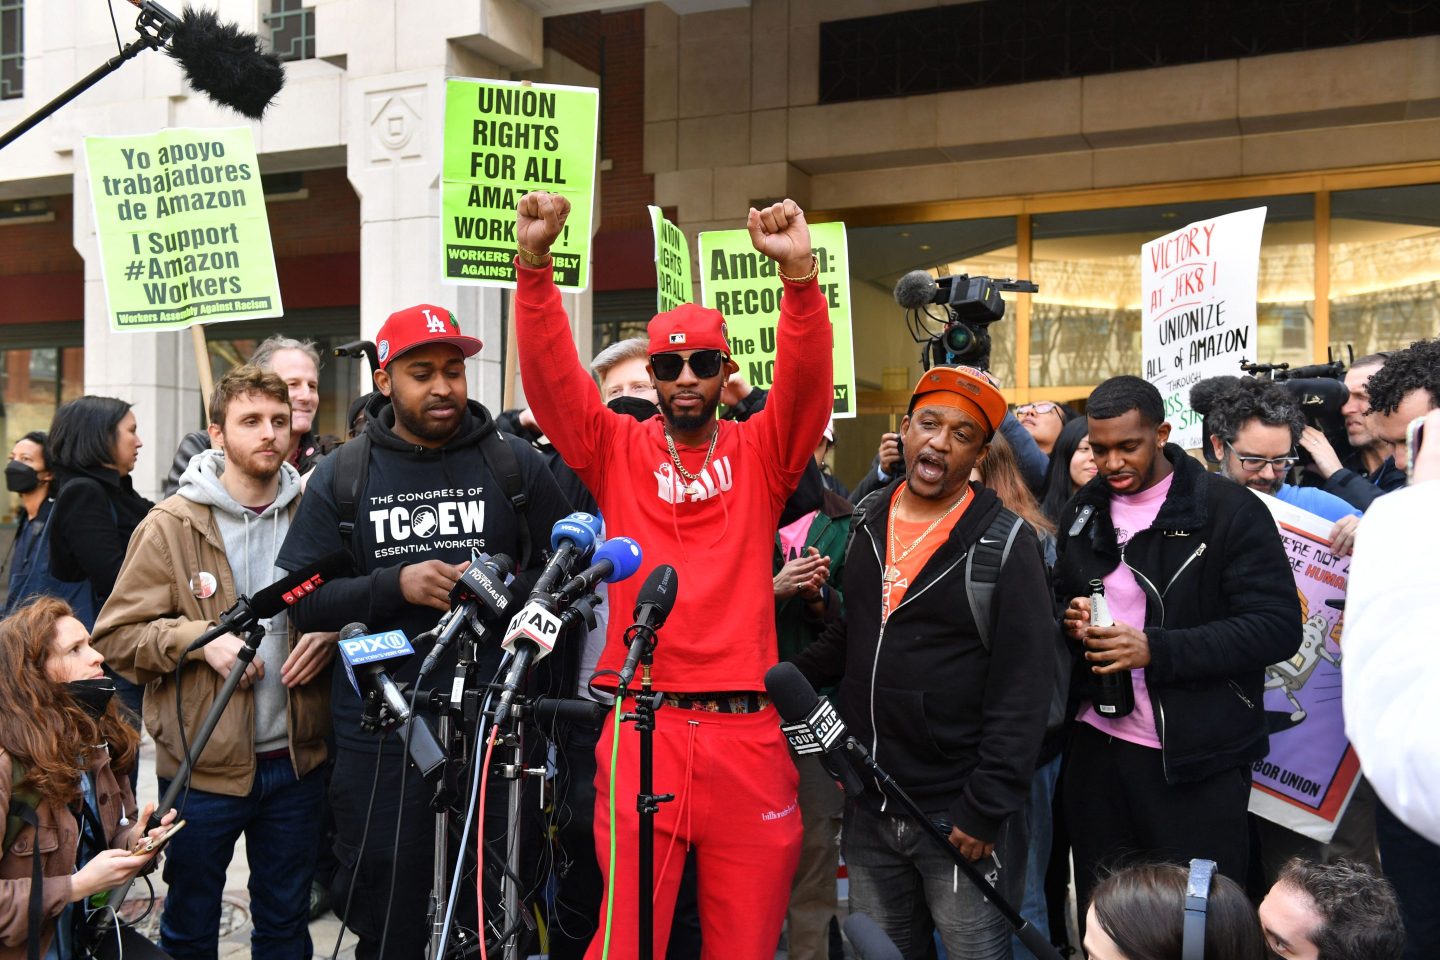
[{"x": 703, "y": 363}]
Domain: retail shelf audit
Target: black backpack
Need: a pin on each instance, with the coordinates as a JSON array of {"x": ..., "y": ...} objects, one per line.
[
  {"x": 352, "y": 469},
  {"x": 982, "y": 575}
]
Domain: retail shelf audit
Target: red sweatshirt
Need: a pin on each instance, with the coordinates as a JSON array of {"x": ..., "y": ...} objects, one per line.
[{"x": 721, "y": 634}]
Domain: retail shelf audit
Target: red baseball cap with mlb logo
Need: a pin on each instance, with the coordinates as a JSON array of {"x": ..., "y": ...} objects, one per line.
[
  {"x": 419, "y": 326},
  {"x": 688, "y": 327}
]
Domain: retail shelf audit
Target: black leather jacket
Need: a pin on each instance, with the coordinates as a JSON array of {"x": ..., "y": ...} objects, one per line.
[{"x": 1220, "y": 607}]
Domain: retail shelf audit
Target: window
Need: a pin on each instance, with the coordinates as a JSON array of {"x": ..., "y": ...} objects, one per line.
[
  {"x": 1085, "y": 324},
  {"x": 1384, "y": 268},
  {"x": 35, "y": 380},
  {"x": 12, "y": 49},
  {"x": 292, "y": 30}
]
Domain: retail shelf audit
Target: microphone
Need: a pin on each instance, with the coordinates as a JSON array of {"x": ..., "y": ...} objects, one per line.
[
  {"x": 572, "y": 539},
  {"x": 915, "y": 290},
  {"x": 365, "y": 655},
  {"x": 224, "y": 62},
  {"x": 652, "y": 607},
  {"x": 616, "y": 559},
  {"x": 285, "y": 592},
  {"x": 812, "y": 726},
  {"x": 482, "y": 584},
  {"x": 533, "y": 631},
  {"x": 869, "y": 941}
]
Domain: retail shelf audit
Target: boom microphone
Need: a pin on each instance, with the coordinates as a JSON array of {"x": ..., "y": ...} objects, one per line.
[
  {"x": 652, "y": 608},
  {"x": 285, "y": 592},
  {"x": 916, "y": 290},
  {"x": 224, "y": 62},
  {"x": 615, "y": 560},
  {"x": 812, "y": 726}
]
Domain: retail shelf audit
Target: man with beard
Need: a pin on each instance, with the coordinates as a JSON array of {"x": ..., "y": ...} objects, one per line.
[
  {"x": 1252, "y": 427},
  {"x": 189, "y": 560},
  {"x": 952, "y": 712},
  {"x": 704, "y": 496},
  {"x": 428, "y": 493},
  {"x": 1202, "y": 599},
  {"x": 297, "y": 363}
]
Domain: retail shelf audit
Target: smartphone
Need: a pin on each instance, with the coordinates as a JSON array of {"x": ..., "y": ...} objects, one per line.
[
  {"x": 147, "y": 844},
  {"x": 1414, "y": 437}
]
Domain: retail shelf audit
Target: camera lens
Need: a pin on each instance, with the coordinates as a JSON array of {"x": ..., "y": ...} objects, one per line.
[{"x": 958, "y": 340}]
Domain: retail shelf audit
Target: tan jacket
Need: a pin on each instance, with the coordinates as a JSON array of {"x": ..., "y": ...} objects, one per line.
[
  {"x": 153, "y": 615},
  {"x": 59, "y": 839}
]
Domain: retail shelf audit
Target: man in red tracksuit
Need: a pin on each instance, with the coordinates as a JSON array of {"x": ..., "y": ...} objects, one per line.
[{"x": 704, "y": 496}]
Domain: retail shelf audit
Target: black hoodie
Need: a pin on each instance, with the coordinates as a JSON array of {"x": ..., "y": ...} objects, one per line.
[
  {"x": 418, "y": 504},
  {"x": 958, "y": 726}
]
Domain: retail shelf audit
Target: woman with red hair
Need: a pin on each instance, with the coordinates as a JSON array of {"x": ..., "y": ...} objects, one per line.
[{"x": 63, "y": 740}]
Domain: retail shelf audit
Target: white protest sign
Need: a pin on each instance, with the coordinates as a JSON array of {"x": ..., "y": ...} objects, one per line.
[{"x": 1197, "y": 315}]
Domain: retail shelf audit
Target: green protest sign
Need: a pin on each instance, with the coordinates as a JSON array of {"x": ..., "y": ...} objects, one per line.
[
  {"x": 673, "y": 285},
  {"x": 502, "y": 140},
  {"x": 180, "y": 218},
  {"x": 743, "y": 285}
]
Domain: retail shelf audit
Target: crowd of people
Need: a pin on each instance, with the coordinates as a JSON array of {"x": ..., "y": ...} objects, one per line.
[{"x": 948, "y": 607}]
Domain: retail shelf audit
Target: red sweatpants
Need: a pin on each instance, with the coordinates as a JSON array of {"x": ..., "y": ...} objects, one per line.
[{"x": 735, "y": 801}]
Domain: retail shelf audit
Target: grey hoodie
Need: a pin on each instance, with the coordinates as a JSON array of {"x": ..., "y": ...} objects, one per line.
[{"x": 252, "y": 542}]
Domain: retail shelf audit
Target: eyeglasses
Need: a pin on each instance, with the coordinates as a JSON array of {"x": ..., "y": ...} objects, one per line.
[
  {"x": 703, "y": 363},
  {"x": 1043, "y": 407},
  {"x": 1256, "y": 464}
]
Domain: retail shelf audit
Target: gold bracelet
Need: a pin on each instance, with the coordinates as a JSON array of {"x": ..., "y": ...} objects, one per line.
[
  {"x": 530, "y": 257},
  {"x": 814, "y": 271}
]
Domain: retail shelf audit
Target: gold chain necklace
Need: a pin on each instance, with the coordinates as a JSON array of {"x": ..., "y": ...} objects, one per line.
[
  {"x": 693, "y": 488},
  {"x": 892, "y": 569}
]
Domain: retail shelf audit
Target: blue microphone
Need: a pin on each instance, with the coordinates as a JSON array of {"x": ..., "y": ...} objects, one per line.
[
  {"x": 572, "y": 539},
  {"x": 615, "y": 560}
]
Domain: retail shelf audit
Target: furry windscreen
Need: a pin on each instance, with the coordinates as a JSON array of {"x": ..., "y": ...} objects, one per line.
[{"x": 226, "y": 63}]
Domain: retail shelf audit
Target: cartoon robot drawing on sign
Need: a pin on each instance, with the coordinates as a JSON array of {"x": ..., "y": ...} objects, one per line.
[{"x": 1290, "y": 676}]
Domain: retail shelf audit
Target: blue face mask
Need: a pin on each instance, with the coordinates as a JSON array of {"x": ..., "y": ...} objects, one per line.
[{"x": 93, "y": 696}]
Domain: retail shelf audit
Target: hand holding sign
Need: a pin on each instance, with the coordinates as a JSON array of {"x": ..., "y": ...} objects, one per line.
[
  {"x": 781, "y": 233},
  {"x": 539, "y": 218}
]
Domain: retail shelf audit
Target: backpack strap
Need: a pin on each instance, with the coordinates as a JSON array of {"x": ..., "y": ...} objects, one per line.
[
  {"x": 857, "y": 520},
  {"x": 982, "y": 568},
  {"x": 506, "y": 467},
  {"x": 347, "y": 483}
]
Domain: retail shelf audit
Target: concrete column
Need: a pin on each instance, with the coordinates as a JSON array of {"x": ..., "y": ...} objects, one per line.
[{"x": 154, "y": 371}]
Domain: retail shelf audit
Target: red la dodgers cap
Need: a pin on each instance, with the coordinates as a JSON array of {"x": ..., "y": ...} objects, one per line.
[
  {"x": 418, "y": 326},
  {"x": 688, "y": 327}
]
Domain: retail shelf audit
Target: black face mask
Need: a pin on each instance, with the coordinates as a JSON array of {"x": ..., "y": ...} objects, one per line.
[
  {"x": 93, "y": 696},
  {"x": 637, "y": 407},
  {"x": 20, "y": 477}
]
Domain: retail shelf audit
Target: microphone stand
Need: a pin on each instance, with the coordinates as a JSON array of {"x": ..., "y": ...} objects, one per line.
[
  {"x": 1022, "y": 928},
  {"x": 647, "y": 801},
  {"x": 253, "y": 634},
  {"x": 155, "y": 25}
]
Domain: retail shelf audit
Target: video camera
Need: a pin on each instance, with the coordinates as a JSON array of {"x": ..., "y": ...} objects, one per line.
[
  {"x": 1319, "y": 389},
  {"x": 971, "y": 304}
]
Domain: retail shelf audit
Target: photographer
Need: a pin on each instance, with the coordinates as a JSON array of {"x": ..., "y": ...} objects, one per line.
[{"x": 1365, "y": 471}]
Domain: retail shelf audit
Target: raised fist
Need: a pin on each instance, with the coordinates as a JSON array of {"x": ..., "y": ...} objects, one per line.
[
  {"x": 781, "y": 233},
  {"x": 539, "y": 218}
]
